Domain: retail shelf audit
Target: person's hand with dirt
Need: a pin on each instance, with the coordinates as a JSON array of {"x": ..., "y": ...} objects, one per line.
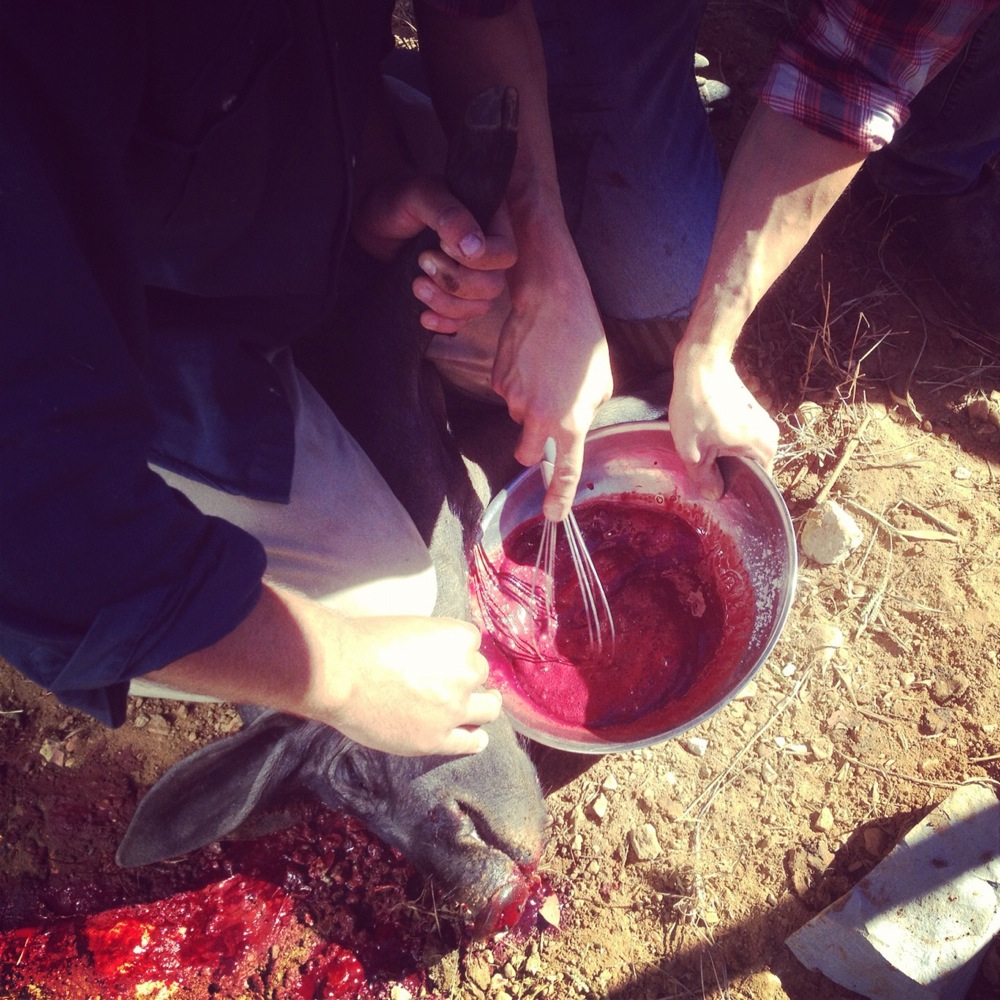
[
  {"x": 462, "y": 279},
  {"x": 783, "y": 180}
]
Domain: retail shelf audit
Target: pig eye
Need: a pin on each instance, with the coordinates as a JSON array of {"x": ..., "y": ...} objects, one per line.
[{"x": 351, "y": 773}]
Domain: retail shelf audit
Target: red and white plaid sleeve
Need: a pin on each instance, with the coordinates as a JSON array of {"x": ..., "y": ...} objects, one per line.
[{"x": 849, "y": 69}]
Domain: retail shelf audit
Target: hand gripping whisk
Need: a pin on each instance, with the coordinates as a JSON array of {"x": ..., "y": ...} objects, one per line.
[{"x": 600, "y": 624}]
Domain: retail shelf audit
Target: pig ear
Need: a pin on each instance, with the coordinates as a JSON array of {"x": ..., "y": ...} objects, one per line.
[{"x": 211, "y": 792}]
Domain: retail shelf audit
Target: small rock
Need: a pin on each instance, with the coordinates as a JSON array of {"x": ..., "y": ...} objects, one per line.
[
  {"x": 140, "y": 721},
  {"x": 822, "y": 822},
  {"x": 533, "y": 964},
  {"x": 768, "y": 774},
  {"x": 874, "y": 840},
  {"x": 576, "y": 819},
  {"x": 961, "y": 472},
  {"x": 158, "y": 725},
  {"x": 829, "y": 534},
  {"x": 696, "y": 745},
  {"x": 821, "y": 748},
  {"x": 400, "y": 993},
  {"x": 671, "y": 809},
  {"x": 978, "y": 410},
  {"x": 748, "y": 691},
  {"x": 610, "y": 783},
  {"x": 644, "y": 843},
  {"x": 828, "y": 639},
  {"x": 599, "y": 807},
  {"x": 549, "y": 911},
  {"x": 52, "y": 751},
  {"x": 478, "y": 971},
  {"x": 788, "y": 670},
  {"x": 929, "y": 765},
  {"x": 808, "y": 412},
  {"x": 948, "y": 687},
  {"x": 935, "y": 721}
]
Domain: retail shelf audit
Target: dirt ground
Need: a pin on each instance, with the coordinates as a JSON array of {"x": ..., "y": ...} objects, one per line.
[{"x": 881, "y": 696}]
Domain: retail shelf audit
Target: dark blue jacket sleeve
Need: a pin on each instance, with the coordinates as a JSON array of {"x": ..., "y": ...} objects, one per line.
[{"x": 105, "y": 572}]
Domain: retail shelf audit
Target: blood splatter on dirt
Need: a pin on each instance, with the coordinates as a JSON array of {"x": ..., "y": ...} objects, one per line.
[
  {"x": 679, "y": 596},
  {"x": 321, "y": 909}
]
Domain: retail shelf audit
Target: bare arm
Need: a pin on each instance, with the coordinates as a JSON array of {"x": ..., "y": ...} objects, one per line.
[
  {"x": 783, "y": 180},
  {"x": 552, "y": 367},
  {"x": 403, "y": 684}
]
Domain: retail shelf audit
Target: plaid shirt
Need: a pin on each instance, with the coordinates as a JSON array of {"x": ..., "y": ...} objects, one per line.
[{"x": 850, "y": 68}]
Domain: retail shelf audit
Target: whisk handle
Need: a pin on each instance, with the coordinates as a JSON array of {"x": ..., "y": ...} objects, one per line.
[{"x": 548, "y": 462}]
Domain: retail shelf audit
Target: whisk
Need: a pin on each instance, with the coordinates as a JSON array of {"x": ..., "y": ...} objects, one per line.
[
  {"x": 523, "y": 610},
  {"x": 597, "y": 611}
]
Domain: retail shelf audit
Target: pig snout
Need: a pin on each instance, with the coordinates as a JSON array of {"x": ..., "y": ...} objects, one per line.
[
  {"x": 504, "y": 908},
  {"x": 490, "y": 871},
  {"x": 475, "y": 824}
]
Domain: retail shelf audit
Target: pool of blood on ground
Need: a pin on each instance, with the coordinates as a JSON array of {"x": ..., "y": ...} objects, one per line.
[
  {"x": 321, "y": 909},
  {"x": 680, "y": 598}
]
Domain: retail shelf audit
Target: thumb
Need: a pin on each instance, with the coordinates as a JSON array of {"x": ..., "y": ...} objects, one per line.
[{"x": 705, "y": 475}]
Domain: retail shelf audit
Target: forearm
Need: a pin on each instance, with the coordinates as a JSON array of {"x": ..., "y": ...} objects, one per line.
[
  {"x": 465, "y": 55},
  {"x": 783, "y": 180},
  {"x": 552, "y": 366},
  {"x": 399, "y": 683},
  {"x": 283, "y": 655}
]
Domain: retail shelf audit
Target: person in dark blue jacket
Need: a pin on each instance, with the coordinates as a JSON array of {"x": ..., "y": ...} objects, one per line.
[{"x": 177, "y": 506}]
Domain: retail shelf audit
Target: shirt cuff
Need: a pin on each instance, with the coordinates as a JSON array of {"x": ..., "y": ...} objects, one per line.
[{"x": 858, "y": 113}]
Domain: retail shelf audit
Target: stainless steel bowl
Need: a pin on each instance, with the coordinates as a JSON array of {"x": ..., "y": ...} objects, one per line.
[{"x": 640, "y": 458}]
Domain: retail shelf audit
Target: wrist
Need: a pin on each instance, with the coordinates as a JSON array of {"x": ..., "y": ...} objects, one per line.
[
  {"x": 323, "y": 640},
  {"x": 702, "y": 350}
]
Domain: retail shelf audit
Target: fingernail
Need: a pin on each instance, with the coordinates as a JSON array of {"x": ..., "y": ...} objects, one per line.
[
  {"x": 484, "y": 738},
  {"x": 423, "y": 293},
  {"x": 470, "y": 245},
  {"x": 428, "y": 265}
]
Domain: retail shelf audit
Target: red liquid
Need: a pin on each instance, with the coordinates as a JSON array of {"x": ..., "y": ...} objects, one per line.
[
  {"x": 679, "y": 596},
  {"x": 322, "y": 909}
]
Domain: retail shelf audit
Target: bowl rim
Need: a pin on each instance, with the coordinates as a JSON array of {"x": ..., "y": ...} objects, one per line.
[{"x": 593, "y": 744}]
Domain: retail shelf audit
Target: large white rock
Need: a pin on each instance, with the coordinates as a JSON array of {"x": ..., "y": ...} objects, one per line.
[
  {"x": 829, "y": 534},
  {"x": 916, "y": 927}
]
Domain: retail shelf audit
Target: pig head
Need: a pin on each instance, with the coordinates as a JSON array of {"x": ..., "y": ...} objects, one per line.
[{"x": 474, "y": 824}]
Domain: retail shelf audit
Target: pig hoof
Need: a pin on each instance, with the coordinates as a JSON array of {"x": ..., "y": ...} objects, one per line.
[{"x": 503, "y": 910}]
